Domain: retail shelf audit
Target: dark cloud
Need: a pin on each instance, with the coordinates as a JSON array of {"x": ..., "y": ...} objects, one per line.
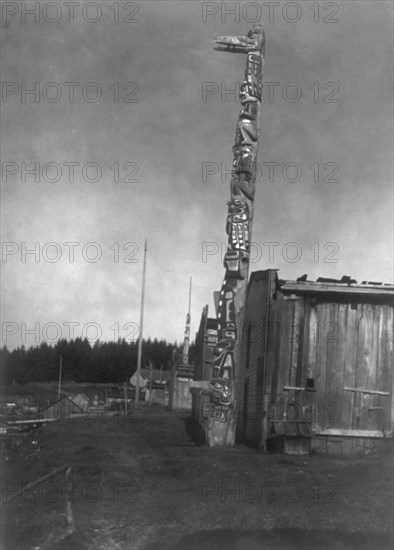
[{"x": 169, "y": 134}]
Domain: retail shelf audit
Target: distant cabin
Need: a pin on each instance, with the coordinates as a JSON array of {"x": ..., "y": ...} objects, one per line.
[
  {"x": 160, "y": 377},
  {"x": 144, "y": 380},
  {"x": 80, "y": 399},
  {"x": 64, "y": 408}
]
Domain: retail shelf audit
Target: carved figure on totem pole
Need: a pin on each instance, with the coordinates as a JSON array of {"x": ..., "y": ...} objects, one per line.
[
  {"x": 253, "y": 41},
  {"x": 226, "y": 313},
  {"x": 237, "y": 229},
  {"x": 222, "y": 392},
  {"x": 221, "y": 385},
  {"x": 233, "y": 262},
  {"x": 247, "y": 128},
  {"x": 237, "y": 225},
  {"x": 254, "y": 75}
]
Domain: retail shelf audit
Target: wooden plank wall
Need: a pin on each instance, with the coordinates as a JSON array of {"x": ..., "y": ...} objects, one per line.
[
  {"x": 337, "y": 343},
  {"x": 200, "y": 346},
  {"x": 251, "y": 371},
  {"x": 387, "y": 360},
  {"x": 286, "y": 358},
  {"x": 204, "y": 352}
]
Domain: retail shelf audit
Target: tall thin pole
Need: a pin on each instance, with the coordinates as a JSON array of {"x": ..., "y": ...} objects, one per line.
[
  {"x": 186, "y": 340},
  {"x": 137, "y": 384},
  {"x": 150, "y": 382},
  {"x": 60, "y": 377},
  {"x": 190, "y": 293},
  {"x": 125, "y": 396}
]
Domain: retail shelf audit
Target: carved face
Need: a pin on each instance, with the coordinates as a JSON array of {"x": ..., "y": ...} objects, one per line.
[
  {"x": 239, "y": 211},
  {"x": 223, "y": 364},
  {"x": 222, "y": 391},
  {"x": 237, "y": 228},
  {"x": 226, "y": 313},
  {"x": 257, "y": 36},
  {"x": 234, "y": 260},
  {"x": 246, "y": 93}
]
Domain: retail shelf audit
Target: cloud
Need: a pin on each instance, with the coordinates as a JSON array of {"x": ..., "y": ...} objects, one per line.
[{"x": 151, "y": 155}]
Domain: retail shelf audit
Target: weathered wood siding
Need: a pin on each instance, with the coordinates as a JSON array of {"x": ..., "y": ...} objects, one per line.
[
  {"x": 200, "y": 346},
  {"x": 250, "y": 380},
  {"x": 205, "y": 347},
  {"x": 324, "y": 342}
]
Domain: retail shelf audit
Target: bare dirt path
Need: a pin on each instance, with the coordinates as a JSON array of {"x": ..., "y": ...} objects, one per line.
[{"x": 140, "y": 483}]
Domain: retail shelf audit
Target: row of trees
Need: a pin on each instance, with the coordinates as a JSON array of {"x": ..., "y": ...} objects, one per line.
[{"x": 104, "y": 362}]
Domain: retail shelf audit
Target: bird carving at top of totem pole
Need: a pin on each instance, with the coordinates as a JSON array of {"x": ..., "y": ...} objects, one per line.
[{"x": 253, "y": 41}]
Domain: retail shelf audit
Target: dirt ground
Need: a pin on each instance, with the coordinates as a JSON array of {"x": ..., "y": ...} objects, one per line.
[{"x": 139, "y": 482}]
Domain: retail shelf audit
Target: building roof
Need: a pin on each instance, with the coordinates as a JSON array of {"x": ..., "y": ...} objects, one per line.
[
  {"x": 74, "y": 395},
  {"x": 323, "y": 285},
  {"x": 331, "y": 286},
  {"x": 157, "y": 375},
  {"x": 62, "y": 399}
]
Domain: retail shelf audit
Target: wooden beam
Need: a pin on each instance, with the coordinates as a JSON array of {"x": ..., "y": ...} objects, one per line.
[
  {"x": 362, "y": 390},
  {"x": 297, "y": 388},
  {"x": 354, "y": 433},
  {"x": 32, "y": 421},
  {"x": 292, "y": 286},
  {"x": 69, "y": 497},
  {"x": 39, "y": 480}
]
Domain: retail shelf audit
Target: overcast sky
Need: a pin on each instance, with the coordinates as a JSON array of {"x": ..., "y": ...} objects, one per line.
[{"x": 329, "y": 115}]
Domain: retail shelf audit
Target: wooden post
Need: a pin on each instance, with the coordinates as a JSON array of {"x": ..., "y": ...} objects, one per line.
[
  {"x": 69, "y": 499},
  {"x": 37, "y": 481},
  {"x": 150, "y": 382},
  {"x": 265, "y": 422},
  {"x": 60, "y": 377},
  {"x": 125, "y": 397},
  {"x": 137, "y": 383},
  {"x": 186, "y": 340},
  {"x": 172, "y": 382}
]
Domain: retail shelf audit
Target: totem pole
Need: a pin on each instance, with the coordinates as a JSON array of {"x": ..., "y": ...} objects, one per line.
[{"x": 221, "y": 421}]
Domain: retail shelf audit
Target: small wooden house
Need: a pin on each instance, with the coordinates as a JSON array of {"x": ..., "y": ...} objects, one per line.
[
  {"x": 63, "y": 408},
  {"x": 143, "y": 380},
  {"x": 316, "y": 368},
  {"x": 80, "y": 399},
  {"x": 160, "y": 378}
]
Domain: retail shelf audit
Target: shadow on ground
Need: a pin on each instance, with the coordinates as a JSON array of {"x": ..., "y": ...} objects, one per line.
[
  {"x": 279, "y": 539},
  {"x": 195, "y": 431}
]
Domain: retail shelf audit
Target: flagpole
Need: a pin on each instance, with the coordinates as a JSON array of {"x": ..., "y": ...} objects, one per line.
[{"x": 137, "y": 383}]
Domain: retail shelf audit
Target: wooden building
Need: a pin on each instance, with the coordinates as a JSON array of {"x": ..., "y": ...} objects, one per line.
[
  {"x": 206, "y": 340},
  {"x": 63, "y": 408},
  {"x": 157, "y": 387},
  {"x": 316, "y": 366},
  {"x": 180, "y": 384},
  {"x": 160, "y": 378},
  {"x": 81, "y": 399}
]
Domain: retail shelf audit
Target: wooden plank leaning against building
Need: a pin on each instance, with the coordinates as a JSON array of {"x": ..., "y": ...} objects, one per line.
[{"x": 316, "y": 365}]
